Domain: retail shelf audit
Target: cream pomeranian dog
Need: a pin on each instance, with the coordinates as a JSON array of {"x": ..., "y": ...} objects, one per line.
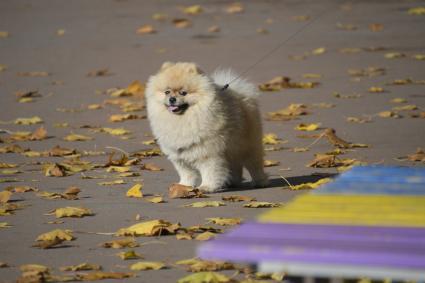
[{"x": 207, "y": 132}]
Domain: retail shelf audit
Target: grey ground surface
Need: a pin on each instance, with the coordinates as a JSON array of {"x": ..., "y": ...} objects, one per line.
[{"x": 102, "y": 34}]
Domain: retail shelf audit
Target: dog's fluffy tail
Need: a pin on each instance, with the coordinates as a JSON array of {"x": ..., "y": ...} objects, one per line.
[{"x": 221, "y": 77}]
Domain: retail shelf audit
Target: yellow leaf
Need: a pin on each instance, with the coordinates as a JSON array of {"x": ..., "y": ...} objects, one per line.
[
  {"x": 416, "y": 11},
  {"x": 147, "y": 265},
  {"x": 4, "y": 34},
  {"x": 151, "y": 167},
  {"x": 234, "y": 8},
  {"x": 319, "y": 51},
  {"x": 81, "y": 266},
  {"x": 394, "y": 55},
  {"x": 131, "y": 254},
  {"x": 65, "y": 235},
  {"x": 34, "y": 267},
  {"x": 99, "y": 275},
  {"x": 184, "y": 236},
  {"x": 28, "y": 121},
  {"x": 119, "y": 169},
  {"x": 122, "y": 117},
  {"x": 156, "y": 199},
  {"x": 408, "y": 107},
  {"x": 5, "y": 196},
  {"x": 60, "y": 32},
  {"x": 5, "y": 225},
  {"x": 201, "y": 204},
  {"x": 237, "y": 198},
  {"x": 205, "y": 236},
  {"x": 376, "y": 89},
  {"x": 261, "y": 204},
  {"x": 307, "y": 127},
  {"x": 115, "y": 131},
  {"x": 111, "y": 183},
  {"x": 270, "y": 163},
  {"x": 149, "y": 228},
  {"x": 135, "y": 191},
  {"x": 193, "y": 10},
  {"x": 398, "y": 100},
  {"x": 224, "y": 221},
  {"x": 2, "y": 67},
  {"x": 271, "y": 139},
  {"x": 72, "y": 212},
  {"x": 205, "y": 277},
  {"x": 159, "y": 16},
  {"x": 76, "y": 137},
  {"x": 312, "y": 185},
  {"x": 388, "y": 114},
  {"x": 416, "y": 56}
]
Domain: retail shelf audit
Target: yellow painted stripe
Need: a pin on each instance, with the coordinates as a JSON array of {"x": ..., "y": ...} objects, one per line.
[{"x": 352, "y": 210}]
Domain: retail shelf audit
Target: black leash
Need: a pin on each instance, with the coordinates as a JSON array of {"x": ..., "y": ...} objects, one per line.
[{"x": 275, "y": 48}]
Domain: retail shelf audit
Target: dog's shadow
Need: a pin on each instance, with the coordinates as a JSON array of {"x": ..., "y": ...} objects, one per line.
[{"x": 280, "y": 182}]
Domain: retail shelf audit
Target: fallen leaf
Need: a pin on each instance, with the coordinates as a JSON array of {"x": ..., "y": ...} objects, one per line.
[
  {"x": 122, "y": 117},
  {"x": 148, "y": 265},
  {"x": 270, "y": 163},
  {"x": 324, "y": 161},
  {"x": 408, "y": 107},
  {"x": 201, "y": 204},
  {"x": 300, "y": 149},
  {"x": 5, "y": 196},
  {"x": 28, "y": 121},
  {"x": 149, "y": 228},
  {"x": 70, "y": 211},
  {"x": 388, "y": 114},
  {"x": 307, "y": 127},
  {"x": 5, "y": 225},
  {"x": 148, "y": 153},
  {"x": 150, "y": 167},
  {"x": 55, "y": 170},
  {"x": 318, "y": 51},
  {"x": 205, "y": 277},
  {"x": 349, "y": 27},
  {"x": 281, "y": 82},
  {"x": 193, "y": 10},
  {"x": 146, "y": 29},
  {"x": 214, "y": 28},
  {"x": 3, "y": 265},
  {"x": 205, "y": 236},
  {"x": 156, "y": 199},
  {"x": 182, "y": 23},
  {"x": 300, "y": 18},
  {"x": 180, "y": 191},
  {"x": 159, "y": 16},
  {"x": 237, "y": 198},
  {"x": 100, "y": 275},
  {"x": 330, "y": 134},
  {"x": 418, "y": 156},
  {"x": 197, "y": 265},
  {"x": 394, "y": 55},
  {"x": 4, "y": 34},
  {"x": 60, "y": 32},
  {"x": 184, "y": 236},
  {"x": 115, "y": 131},
  {"x": 271, "y": 139},
  {"x": 261, "y": 204},
  {"x": 376, "y": 89},
  {"x": 65, "y": 235},
  {"x": 349, "y": 96},
  {"x": 398, "y": 100},
  {"x": 135, "y": 191},
  {"x": 112, "y": 183},
  {"x": 23, "y": 189},
  {"x": 131, "y": 254},
  {"x": 81, "y": 266},
  {"x": 8, "y": 165},
  {"x": 376, "y": 27},
  {"x": 224, "y": 221},
  {"x": 34, "y": 273},
  {"x": 76, "y": 137},
  {"x": 2, "y": 67},
  {"x": 367, "y": 72},
  {"x": 416, "y": 56},
  {"x": 359, "y": 120},
  {"x": 288, "y": 113},
  {"x": 121, "y": 243},
  {"x": 416, "y": 11},
  {"x": 311, "y": 185},
  {"x": 234, "y": 8}
]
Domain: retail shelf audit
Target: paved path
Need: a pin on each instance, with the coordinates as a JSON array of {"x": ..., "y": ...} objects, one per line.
[{"x": 69, "y": 39}]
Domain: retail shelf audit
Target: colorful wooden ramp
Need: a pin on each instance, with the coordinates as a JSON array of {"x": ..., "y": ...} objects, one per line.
[{"x": 369, "y": 222}]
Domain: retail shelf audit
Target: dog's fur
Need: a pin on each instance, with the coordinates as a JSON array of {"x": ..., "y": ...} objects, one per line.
[{"x": 208, "y": 132}]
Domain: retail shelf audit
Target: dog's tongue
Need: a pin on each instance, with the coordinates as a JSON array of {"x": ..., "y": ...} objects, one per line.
[{"x": 172, "y": 108}]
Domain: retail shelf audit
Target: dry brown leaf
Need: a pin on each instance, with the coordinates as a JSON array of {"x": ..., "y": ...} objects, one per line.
[
  {"x": 270, "y": 163},
  {"x": 418, "y": 156},
  {"x": 5, "y": 196},
  {"x": 367, "y": 72},
  {"x": 81, "y": 266},
  {"x": 214, "y": 28},
  {"x": 181, "y": 191},
  {"x": 237, "y": 198},
  {"x": 65, "y": 235},
  {"x": 330, "y": 134},
  {"x": 281, "y": 82},
  {"x": 146, "y": 29},
  {"x": 150, "y": 167},
  {"x": 48, "y": 244},
  {"x": 291, "y": 112},
  {"x": 182, "y": 23},
  {"x": 376, "y": 27},
  {"x": 324, "y": 161},
  {"x": 33, "y": 74},
  {"x": 121, "y": 243},
  {"x": 150, "y": 228},
  {"x": 202, "y": 204},
  {"x": 389, "y": 114},
  {"x": 376, "y": 89}
]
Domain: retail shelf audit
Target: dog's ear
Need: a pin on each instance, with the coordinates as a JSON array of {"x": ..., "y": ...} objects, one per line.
[
  {"x": 194, "y": 69},
  {"x": 166, "y": 65}
]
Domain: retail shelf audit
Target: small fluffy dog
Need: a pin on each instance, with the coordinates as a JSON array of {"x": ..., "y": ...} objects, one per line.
[{"x": 204, "y": 130}]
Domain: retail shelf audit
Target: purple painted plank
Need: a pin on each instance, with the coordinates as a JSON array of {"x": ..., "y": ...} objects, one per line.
[{"x": 332, "y": 244}]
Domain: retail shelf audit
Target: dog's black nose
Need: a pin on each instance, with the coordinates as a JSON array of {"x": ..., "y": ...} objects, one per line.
[{"x": 172, "y": 100}]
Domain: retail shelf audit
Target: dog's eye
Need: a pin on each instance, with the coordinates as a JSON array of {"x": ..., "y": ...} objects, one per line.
[
  {"x": 167, "y": 92},
  {"x": 183, "y": 93}
]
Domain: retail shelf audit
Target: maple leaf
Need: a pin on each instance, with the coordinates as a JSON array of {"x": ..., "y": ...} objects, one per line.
[
  {"x": 65, "y": 235},
  {"x": 148, "y": 265},
  {"x": 205, "y": 236},
  {"x": 149, "y": 228},
  {"x": 70, "y": 211},
  {"x": 205, "y": 277}
]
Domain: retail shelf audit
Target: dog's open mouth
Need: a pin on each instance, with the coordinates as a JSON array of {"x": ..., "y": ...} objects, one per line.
[{"x": 177, "y": 109}]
